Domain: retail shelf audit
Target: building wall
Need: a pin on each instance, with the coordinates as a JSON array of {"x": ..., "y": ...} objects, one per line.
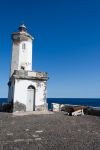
[
  {"x": 25, "y": 55},
  {"x": 15, "y": 58},
  {"x": 20, "y": 56},
  {"x": 11, "y": 91},
  {"x": 20, "y": 92}
]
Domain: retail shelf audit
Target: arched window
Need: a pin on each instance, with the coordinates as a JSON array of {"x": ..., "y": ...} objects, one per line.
[
  {"x": 23, "y": 46},
  {"x": 31, "y": 87}
]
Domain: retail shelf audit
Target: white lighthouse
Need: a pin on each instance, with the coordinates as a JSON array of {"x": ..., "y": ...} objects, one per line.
[
  {"x": 27, "y": 89},
  {"x": 21, "y": 50}
]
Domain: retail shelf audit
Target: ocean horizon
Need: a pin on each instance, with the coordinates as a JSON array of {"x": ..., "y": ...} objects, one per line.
[{"x": 94, "y": 102}]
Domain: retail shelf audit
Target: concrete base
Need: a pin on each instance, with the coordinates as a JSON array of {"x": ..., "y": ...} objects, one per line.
[
  {"x": 20, "y": 107},
  {"x": 32, "y": 113}
]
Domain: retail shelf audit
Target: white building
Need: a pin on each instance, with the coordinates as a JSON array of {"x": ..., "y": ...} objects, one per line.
[{"x": 27, "y": 89}]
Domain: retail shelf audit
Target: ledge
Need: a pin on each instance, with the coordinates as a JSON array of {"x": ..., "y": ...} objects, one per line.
[{"x": 22, "y": 74}]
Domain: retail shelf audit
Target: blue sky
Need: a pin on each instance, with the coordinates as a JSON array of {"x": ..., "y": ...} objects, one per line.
[{"x": 66, "y": 45}]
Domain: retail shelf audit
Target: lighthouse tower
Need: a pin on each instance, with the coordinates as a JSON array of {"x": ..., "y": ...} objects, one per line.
[
  {"x": 27, "y": 89},
  {"x": 21, "y": 50}
]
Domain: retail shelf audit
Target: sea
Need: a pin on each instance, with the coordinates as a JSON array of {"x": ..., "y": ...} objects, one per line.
[
  {"x": 93, "y": 102},
  {"x": 3, "y": 100}
]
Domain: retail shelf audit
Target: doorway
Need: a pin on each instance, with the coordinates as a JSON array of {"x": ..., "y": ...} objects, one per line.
[{"x": 30, "y": 105}]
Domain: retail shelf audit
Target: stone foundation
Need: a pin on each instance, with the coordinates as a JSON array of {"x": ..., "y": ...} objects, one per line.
[
  {"x": 22, "y": 107},
  {"x": 41, "y": 108},
  {"x": 19, "y": 107}
]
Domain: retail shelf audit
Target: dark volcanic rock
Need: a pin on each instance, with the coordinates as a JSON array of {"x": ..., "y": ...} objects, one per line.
[{"x": 91, "y": 111}]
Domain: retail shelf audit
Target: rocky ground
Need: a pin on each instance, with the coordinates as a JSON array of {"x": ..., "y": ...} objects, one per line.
[{"x": 49, "y": 132}]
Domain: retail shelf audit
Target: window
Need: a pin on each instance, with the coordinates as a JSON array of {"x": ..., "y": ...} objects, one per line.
[
  {"x": 22, "y": 68},
  {"x": 23, "y": 46},
  {"x": 31, "y": 87}
]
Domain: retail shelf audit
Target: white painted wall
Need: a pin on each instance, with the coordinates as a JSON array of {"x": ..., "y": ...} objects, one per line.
[
  {"x": 15, "y": 58},
  {"x": 20, "y": 56},
  {"x": 20, "y": 93},
  {"x": 25, "y": 55}
]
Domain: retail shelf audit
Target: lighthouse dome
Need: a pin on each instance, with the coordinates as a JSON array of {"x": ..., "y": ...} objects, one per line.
[{"x": 22, "y": 28}]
